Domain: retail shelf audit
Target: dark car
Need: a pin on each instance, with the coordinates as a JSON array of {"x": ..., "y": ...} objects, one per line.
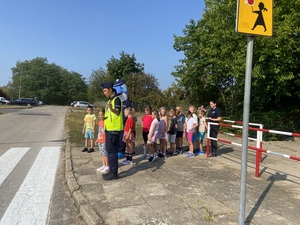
[{"x": 24, "y": 101}]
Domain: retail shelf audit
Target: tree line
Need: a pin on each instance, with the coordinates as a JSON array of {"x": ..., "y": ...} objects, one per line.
[{"x": 36, "y": 78}]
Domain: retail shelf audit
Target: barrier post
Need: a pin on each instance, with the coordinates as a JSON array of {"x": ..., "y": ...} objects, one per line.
[
  {"x": 257, "y": 161},
  {"x": 208, "y": 141},
  {"x": 260, "y": 142},
  {"x": 258, "y": 155}
]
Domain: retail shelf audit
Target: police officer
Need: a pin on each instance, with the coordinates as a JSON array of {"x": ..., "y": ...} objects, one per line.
[
  {"x": 113, "y": 127},
  {"x": 214, "y": 116}
]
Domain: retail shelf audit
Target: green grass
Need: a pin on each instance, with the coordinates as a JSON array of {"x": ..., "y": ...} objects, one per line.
[{"x": 13, "y": 107}]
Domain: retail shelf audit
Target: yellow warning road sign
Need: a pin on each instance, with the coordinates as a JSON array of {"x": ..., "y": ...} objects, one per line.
[{"x": 255, "y": 17}]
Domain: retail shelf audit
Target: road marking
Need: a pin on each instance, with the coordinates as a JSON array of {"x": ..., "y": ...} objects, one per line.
[
  {"x": 9, "y": 160},
  {"x": 31, "y": 203}
]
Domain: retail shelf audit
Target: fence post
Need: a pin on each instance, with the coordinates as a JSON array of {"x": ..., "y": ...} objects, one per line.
[
  {"x": 260, "y": 142},
  {"x": 208, "y": 141}
]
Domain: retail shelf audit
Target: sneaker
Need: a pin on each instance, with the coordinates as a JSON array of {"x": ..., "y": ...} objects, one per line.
[
  {"x": 200, "y": 153},
  {"x": 191, "y": 155},
  {"x": 160, "y": 155},
  {"x": 85, "y": 150},
  {"x": 180, "y": 151},
  {"x": 105, "y": 169},
  {"x": 187, "y": 153},
  {"x": 126, "y": 162},
  {"x": 197, "y": 152},
  {"x": 151, "y": 159},
  {"x": 90, "y": 150},
  {"x": 101, "y": 168}
]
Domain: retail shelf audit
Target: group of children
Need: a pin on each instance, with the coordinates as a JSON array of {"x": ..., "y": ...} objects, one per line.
[
  {"x": 128, "y": 135},
  {"x": 156, "y": 125}
]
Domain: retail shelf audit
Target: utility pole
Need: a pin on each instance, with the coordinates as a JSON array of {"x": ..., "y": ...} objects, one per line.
[{"x": 20, "y": 85}]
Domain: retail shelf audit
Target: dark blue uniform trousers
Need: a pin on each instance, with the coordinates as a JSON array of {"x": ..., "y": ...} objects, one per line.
[{"x": 112, "y": 145}]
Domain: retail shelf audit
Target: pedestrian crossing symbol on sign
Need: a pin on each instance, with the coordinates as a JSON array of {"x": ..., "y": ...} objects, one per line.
[{"x": 255, "y": 17}]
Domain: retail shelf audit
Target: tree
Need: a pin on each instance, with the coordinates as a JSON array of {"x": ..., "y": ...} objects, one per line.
[
  {"x": 48, "y": 82},
  {"x": 97, "y": 77},
  {"x": 121, "y": 68},
  {"x": 143, "y": 90},
  {"x": 277, "y": 60}
]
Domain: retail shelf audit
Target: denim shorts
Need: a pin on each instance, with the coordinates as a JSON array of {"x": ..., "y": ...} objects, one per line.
[
  {"x": 89, "y": 134},
  {"x": 201, "y": 135},
  {"x": 172, "y": 138}
]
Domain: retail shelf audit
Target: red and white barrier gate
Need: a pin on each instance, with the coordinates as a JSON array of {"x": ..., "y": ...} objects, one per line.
[{"x": 259, "y": 150}]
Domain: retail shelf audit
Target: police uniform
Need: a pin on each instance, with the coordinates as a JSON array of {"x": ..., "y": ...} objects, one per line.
[
  {"x": 214, "y": 129},
  {"x": 113, "y": 128}
]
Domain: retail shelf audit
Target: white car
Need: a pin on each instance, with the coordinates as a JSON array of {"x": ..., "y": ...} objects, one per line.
[
  {"x": 4, "y": 101},
  {"x": 82, "y": 104}
]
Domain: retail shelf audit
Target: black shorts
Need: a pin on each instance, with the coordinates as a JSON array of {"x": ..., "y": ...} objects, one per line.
[
  {"x": 145, "y": 136},
  {"x": 179, "y": 134}
]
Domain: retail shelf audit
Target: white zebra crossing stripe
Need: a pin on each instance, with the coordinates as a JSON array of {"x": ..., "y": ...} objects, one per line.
[
  {"x": 9, "y": 160},
  {"x": 31, "y": 203}
]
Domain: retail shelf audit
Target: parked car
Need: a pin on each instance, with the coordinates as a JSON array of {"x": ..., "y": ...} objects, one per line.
[
  {"x": 73, "y": 103},
  {"x": 24, "y": 101},
  {"x": 4, "y": 101},
  {"x": 82, "y": 104}
]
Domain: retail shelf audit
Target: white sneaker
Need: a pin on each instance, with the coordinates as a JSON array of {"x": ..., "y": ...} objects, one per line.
[
  {"x": 127, "y": 162},
  {"x": 101, "y": 168},
  {"x": 105, "y": 169}
]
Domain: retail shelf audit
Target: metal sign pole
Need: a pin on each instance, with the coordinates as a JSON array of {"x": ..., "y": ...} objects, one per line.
[{"x": 246, "y": 110}]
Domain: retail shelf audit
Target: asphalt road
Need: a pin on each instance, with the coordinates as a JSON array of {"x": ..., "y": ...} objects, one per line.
[{"x": 32, "y": 185}]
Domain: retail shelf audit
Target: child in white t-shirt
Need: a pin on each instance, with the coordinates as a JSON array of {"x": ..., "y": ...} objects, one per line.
[
  {"x": 153, "y": 135},
  {"x": 190, "y": 130}
]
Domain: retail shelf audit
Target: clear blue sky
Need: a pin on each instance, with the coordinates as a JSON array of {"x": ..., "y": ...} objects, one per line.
[{"x": 82, "y": 36}]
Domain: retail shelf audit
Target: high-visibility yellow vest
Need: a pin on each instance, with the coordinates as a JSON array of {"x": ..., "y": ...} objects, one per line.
[{"x": 113, "y": 122}]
